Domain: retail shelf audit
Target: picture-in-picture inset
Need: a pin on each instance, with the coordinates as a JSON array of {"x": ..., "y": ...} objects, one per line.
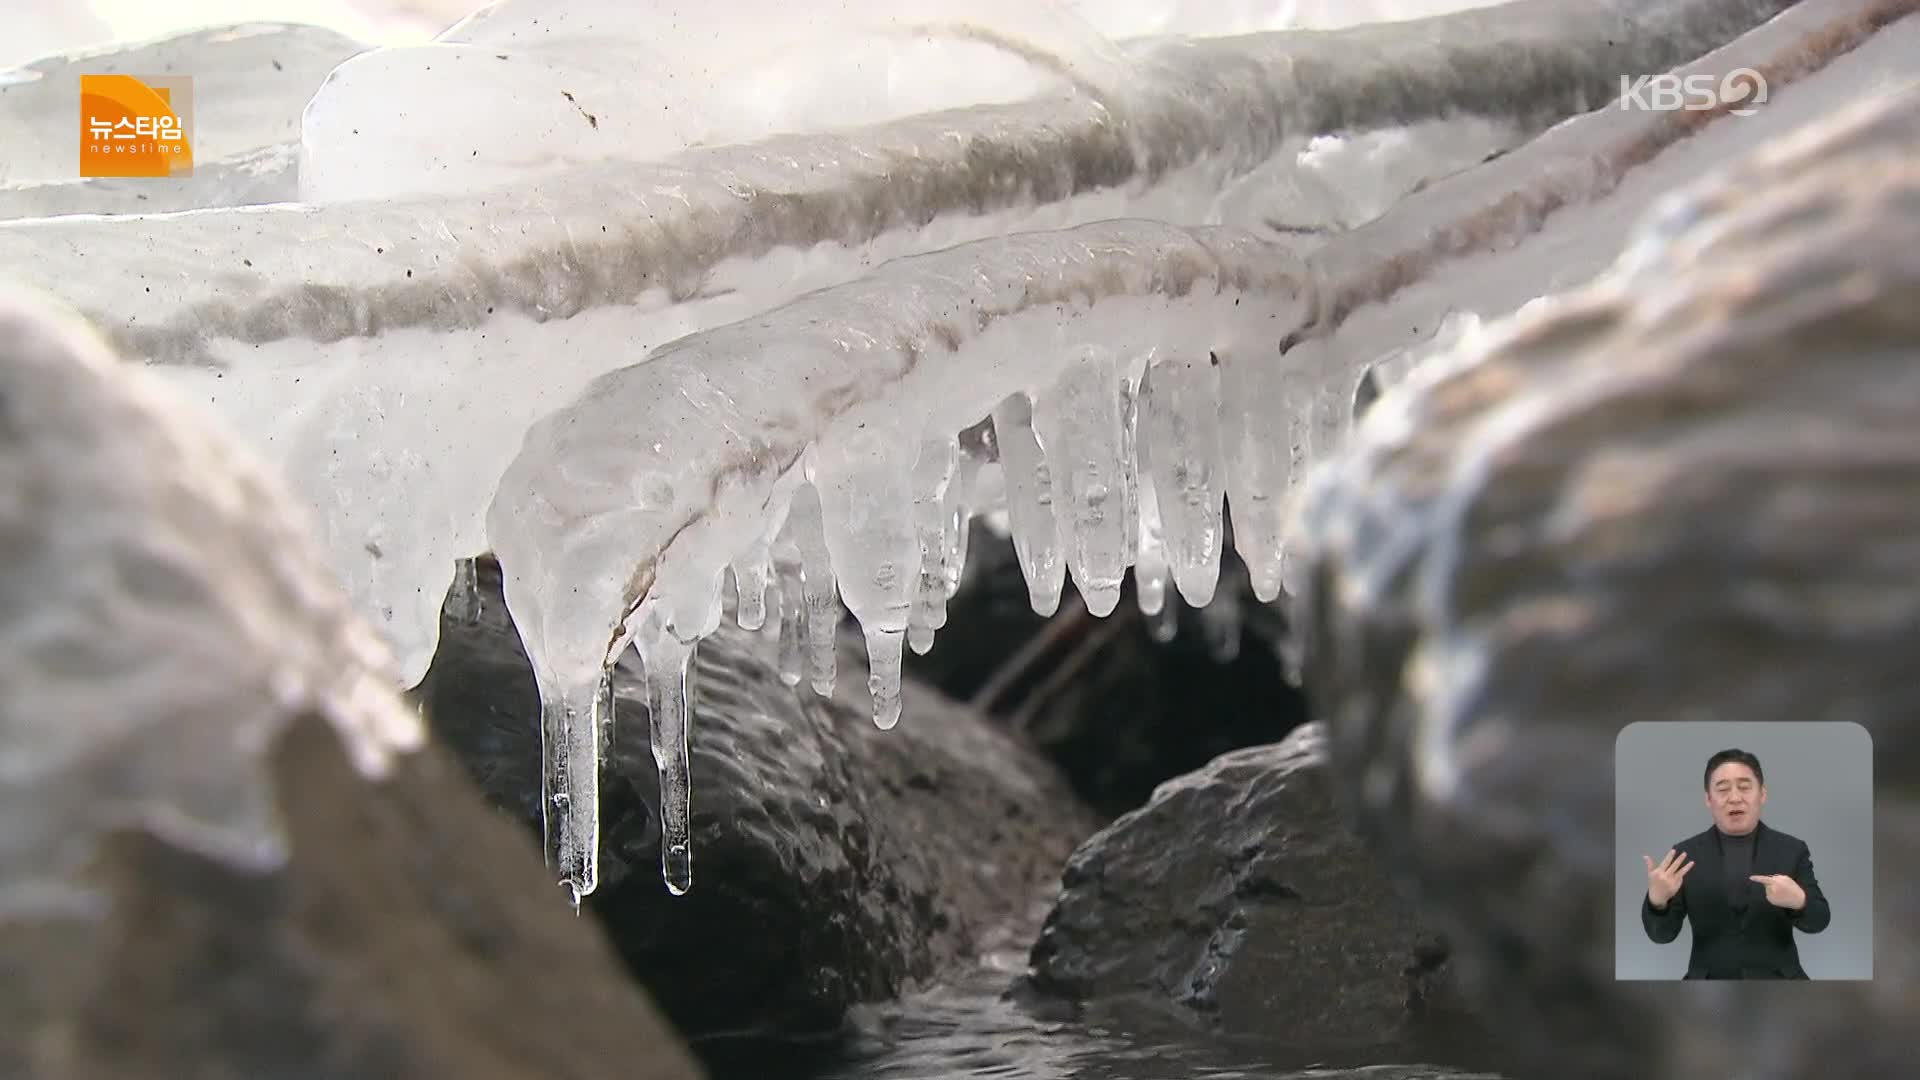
[{"x": 1743, "y": 851}]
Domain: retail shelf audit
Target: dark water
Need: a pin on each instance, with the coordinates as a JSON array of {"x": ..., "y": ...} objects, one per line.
[{"x": 968, "y": 1031}]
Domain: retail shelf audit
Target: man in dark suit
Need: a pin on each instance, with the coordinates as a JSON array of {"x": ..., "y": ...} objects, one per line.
[{"x": 1754, "y": 886}]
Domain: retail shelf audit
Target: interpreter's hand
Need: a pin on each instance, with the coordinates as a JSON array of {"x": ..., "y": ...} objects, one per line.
[
  {"x": 1783, "y": 891},
  {"x": 1663, "y": 880}
]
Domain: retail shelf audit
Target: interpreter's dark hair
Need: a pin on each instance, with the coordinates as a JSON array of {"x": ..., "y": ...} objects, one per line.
[{"x": 1734, "y": 756}]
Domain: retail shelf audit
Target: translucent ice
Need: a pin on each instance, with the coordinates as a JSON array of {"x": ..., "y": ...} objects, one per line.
[
  {"x": 1079, "y": 419},
  {"x": 866, "y": 502},
  {"x": 600, "y": 527},
  {"x": 368, "y": 348},
  {"x": 933, "y": 475},
  {"x": 1036, "y": 537},
  {"x": 365, "y": 349},
  {"x": 669, "y": 664},
  {"x": 752, "y": 576},
  {"x": 819, "y": 611},
  {"x": 1183, "y": 427}
]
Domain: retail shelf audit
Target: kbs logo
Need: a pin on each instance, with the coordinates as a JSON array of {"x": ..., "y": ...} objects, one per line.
[
  {"x": 136, "y": 125},
  {"x": 1740, "y": 91}
]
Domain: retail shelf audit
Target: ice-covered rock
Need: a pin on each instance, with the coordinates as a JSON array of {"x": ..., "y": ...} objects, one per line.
[
  {"x": 1684, "y": 491},
  {"x": 224, "y": 850},
  {"x": 131, "y": 561},
  {"x": 250, "y": 178},
  {"x": 832, "y": 873},
  {"x": 364, "y": 347}
]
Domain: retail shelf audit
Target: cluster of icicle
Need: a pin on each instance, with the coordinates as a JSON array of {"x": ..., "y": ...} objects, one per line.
[
  {"x": 1107, "y": 389},
  {"x": 1134, "y": 479}
]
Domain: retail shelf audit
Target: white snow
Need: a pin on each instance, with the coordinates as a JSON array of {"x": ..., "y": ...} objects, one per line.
[
  {"x": 524, "y": 89},
  {"x": 45, "y": 29},
  {"x": 1208, "y": 18}
]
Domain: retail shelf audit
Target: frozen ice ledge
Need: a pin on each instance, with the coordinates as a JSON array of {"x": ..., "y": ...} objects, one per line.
[
  {"x": 363, "y": 348},
  {"x": 607, "y": 234},
  {"x": 1120, "y": 382},
  {"x": 405, "y": 278}
]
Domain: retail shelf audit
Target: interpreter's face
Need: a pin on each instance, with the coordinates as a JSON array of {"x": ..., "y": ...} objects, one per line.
[{"x": 1735, "y": 796}]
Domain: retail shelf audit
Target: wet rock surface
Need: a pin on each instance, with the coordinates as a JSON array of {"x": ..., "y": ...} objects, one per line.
[
  {"x": 223, "y": 850},
  {"x": 1241, "y": 897},
  {"x": 1686, "y": 492},
  {"x": 833, "y": 863}
]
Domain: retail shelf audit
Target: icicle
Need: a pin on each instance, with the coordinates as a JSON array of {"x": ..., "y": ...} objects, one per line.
[
  {"x": 603, "y": 710},
  {"x": 1163, "y": 626},
  {"x": 867, "y": 504},
  {"x": 1220, "y": 622},
  {"x": 1131, "y": 472},
  {"x": 976, "y": 452},
  {"x": 1292, "y": 575},
  {"x": 750, "y": 573},
  {"x": 1290, "y": 650},
  {"x": 570, "y": 784},
  {"x": 772, "y": 628},
  {"x": 885, "y": 672},
  {"x": 1299, "y": 428},
  {"x": 793, "y": 630},
  {"x": 1150, "y": 568},
  {"x": 1332, "y": 415},
  {"x": 1029, "y": 483},
  {"x": 933, "y": 475},
  {"x": 820, "y": 603},
  {"x": 466, "y": 591},
  {"x": 1080, "y": 420},
  {"x": 1266, "y": 420},
  {"x": 1183, "y": 426},
  {"x": 668, "y": 662}
]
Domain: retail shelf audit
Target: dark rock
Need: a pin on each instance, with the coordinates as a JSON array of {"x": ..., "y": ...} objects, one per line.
[
  {"x": 1240, "y": 895},
  {"x": 223, "y": 850},
  {"x": 411, "y": 934},
  {"x": 1118, "y": 710},
  {"x": 1687, "y": 491},
  {"x": 834, "y": 863}
]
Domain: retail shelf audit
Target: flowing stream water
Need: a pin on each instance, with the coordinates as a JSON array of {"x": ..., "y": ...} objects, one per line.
[{"x": 969, "y": 1029}]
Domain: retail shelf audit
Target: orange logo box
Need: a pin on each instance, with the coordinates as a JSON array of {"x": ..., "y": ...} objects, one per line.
[{"x": 136, "y": 125}]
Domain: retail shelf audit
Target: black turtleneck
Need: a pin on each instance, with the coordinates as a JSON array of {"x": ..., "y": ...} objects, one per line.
[{"x": 1737, "y": 852}]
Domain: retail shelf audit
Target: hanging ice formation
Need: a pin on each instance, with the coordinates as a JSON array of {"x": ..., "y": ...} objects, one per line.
[
  {"x": 363, "y": 347},
  {"x": 393, "y": 356},
  {"x": 1125, "y": 379}
]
